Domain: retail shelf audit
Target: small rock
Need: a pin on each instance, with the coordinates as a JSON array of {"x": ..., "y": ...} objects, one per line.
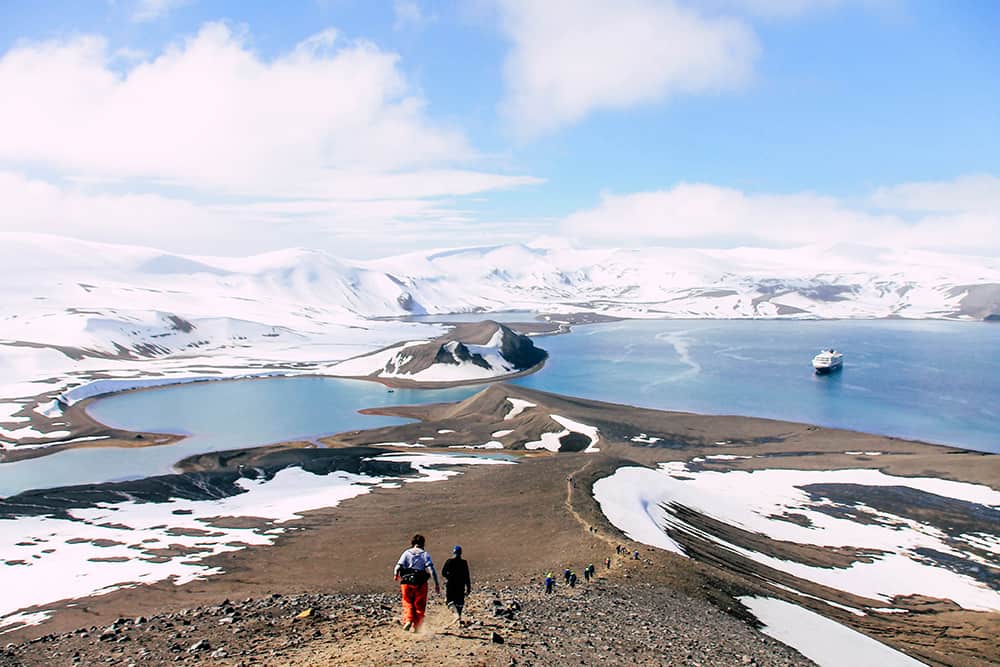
[
  {"x": 496, "y": 638},
  {"x": 200, "y": 645}
]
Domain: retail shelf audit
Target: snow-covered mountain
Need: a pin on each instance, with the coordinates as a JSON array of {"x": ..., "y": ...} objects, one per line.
[{"x": 72, "y": 311}]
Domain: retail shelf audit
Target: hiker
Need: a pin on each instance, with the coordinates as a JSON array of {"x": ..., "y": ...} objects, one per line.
[
  {"x": 412, "y": 571},
  {"x": 591, "y": 571},
  {"x": 607, "y": 563},
  {"x": 635, "y": 555},
  {"x": 457, "y": 583},
  {"x": 572, "y": 579},
  {"x": 586, "y": 574},
  {"x": 550, "y": 582},
  {"x": 566, "y": 574}
]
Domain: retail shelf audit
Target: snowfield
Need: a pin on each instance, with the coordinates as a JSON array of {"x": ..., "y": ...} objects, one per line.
[
  {"x": 639, "y": 502},
  {"x": 72, "y": 312},
  {"x": 104, "y": 548}
]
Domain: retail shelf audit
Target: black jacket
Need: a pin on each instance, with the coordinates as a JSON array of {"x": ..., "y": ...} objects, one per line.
[{"x": 456, "y": 574}]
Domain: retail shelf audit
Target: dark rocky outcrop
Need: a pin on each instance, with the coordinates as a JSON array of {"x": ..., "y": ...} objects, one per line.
[{"x": 517, "y": 349}]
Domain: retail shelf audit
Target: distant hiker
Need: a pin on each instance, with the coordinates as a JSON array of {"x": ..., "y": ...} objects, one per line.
[
  {"x": 635, "y": 555},
  {"x": 457, "y": 584},
  {"x": 591, "y": 570},
  {"x": 586, "y": 574},
  {"x": 607, "y": 563},
  {"x": 550, "y": 582},
  {"x": 572, "y": 579},
  {"x": 412, "y": 571},
  {"x": 566, "y": 574}
]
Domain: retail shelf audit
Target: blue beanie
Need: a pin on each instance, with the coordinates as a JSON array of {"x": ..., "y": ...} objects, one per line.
[{"x": 457, "y": 549}]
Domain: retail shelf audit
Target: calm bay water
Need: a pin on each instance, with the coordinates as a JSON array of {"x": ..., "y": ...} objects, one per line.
[
  {"x": 217, "y": 416},
  {"x": 932, "y": 381},
  {"x": 925, "y": 380}
]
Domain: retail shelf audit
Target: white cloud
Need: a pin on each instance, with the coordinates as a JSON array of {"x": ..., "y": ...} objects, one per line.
[
  {"x": 210, "y": 114},
  {"x": 144, "y": 148},
  {"x": 351, "y": 227},
  {"x": 572, "y": 57},
  {"x": 150, "y": 10},
  {"x": 708, "y": 215},
  {"x": 973, "y": 192},
  {"x": 408, "y": 15}
]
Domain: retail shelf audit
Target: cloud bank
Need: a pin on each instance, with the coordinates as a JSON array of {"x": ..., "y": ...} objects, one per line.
[{"x": 962, "y": 215}]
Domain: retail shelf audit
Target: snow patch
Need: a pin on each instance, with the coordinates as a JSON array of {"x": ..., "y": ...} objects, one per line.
[
  {"x": 825, "y": 642},
  {"x": 636, "y": 499},
  {"x": 517, "y": 407}
]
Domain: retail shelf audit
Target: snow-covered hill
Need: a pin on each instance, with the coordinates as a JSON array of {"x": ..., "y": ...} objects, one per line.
[
  {"x": 72, "y": 311},
  {"x": 469, "y": 353}
]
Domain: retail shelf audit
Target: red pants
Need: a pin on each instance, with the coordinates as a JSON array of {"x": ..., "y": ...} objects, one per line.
[{"x": 414, "y": 603}]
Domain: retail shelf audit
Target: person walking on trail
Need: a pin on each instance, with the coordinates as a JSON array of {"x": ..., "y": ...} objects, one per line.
[
  {"x": 572, "y": 579},
  {"x": 586, "y": 574},
  {"x": 566, "y": 574},
  {"x": 412, "y": 571},
  {"x": 593, "y": 570},
  {"x": 550, "y": 582},
  {"x": 457, "y": 582},
  {"x": 607, "y": 563}
]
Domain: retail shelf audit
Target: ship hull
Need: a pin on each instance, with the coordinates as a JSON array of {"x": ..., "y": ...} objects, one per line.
[{"x": 826, "y": 370}]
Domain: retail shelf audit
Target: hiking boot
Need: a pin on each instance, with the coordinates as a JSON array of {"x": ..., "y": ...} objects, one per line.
[{"x": 407, "y": 626}]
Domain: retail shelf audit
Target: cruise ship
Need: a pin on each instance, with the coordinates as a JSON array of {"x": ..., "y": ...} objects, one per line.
[{"x": 828, "y": 361}]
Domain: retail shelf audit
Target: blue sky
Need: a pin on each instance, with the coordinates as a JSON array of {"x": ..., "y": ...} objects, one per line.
[{"x": 770, "y": 122}]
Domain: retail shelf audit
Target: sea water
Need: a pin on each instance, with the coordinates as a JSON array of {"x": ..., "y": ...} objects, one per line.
[{"x": 925, "y": 380}]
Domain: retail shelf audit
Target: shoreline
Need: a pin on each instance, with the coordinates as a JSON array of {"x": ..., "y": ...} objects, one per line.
[
  {"x": 82, "y": 424},
  {"x": 122, "y": 438},
  {"x": 551, "y": 496}
]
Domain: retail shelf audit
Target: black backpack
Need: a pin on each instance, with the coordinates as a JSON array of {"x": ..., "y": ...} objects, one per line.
[{"x": 409, "y": 575}]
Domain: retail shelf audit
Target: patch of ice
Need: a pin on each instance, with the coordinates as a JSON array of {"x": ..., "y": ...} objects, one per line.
[
  {"x": 428, "y": 465},
  {"x": 501, "y": 433},
  {"x": 517, "y": 407},
  {"x": 31, "y": 432},
  {"x": 551, "y": 440},
  {"x": 492, "y": 444},
  {"x": 50, "y": 409},
  {"x": 642, "y": 437},
  {"x": 825, "y": 642},
  {"x": 444, "y": 431}
]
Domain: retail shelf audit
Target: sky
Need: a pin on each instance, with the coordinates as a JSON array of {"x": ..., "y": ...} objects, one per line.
[{"x": 369, "y": 128}]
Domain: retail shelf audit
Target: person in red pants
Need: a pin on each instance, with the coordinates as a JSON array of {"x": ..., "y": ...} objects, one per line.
[{"x": 413, "y": 570}]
